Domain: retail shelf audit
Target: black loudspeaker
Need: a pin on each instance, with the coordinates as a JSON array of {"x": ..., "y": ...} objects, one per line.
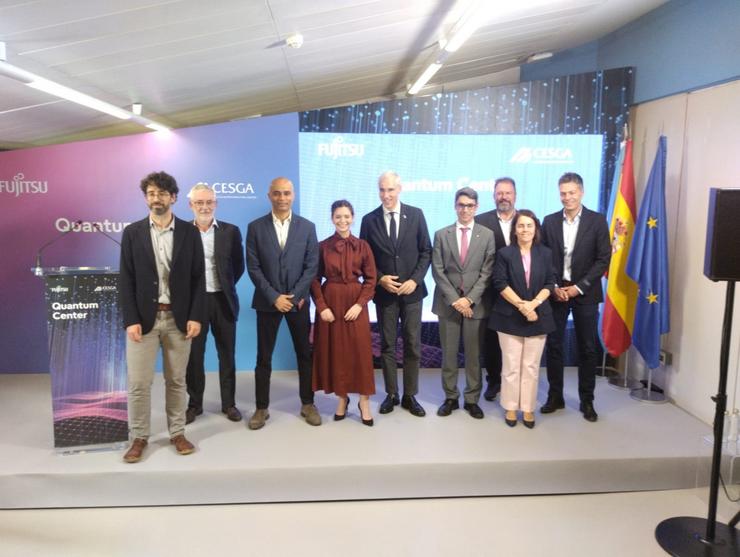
[{"x": 722, "y": 254}]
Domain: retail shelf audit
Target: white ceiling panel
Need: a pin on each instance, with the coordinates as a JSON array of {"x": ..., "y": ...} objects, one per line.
[{"x": 192, "y": 62}]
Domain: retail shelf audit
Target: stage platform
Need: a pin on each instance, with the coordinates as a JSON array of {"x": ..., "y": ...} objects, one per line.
[{"x": 633, "y": 447}]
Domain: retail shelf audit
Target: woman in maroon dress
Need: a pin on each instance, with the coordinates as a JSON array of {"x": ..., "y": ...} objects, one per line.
[{"x": 342, "y": 353}]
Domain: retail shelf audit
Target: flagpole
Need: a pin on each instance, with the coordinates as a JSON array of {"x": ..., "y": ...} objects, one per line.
[
  {"x": 682, "y": 535},
  {"x": 621, "y": 380}
]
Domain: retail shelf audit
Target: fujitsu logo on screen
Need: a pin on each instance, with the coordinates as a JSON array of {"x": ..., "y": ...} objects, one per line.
[
  {"x": 18, "y": 185},
  {"x": 338, "y": 148},
  {"x": 232, "y": 190},
  {"x": 543, "y": 155}
]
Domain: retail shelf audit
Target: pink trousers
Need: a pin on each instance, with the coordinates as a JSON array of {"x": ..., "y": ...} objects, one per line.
[{"x": 520, "y": 370}]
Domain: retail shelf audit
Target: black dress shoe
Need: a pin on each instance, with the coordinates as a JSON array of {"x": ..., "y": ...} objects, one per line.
[
  {"x": 491, "y": 392},
  {"x": 474, "y": 410},
  {"x": 589, "y": 414},
  {"x": 410, "y": 403},
  {"x": 233, "y": 414},
  {"x": 191, "y": 413},
  {"x": 447, "y": 407},
  {"x": 387, "y": 405},
  {"x": 552, "y": 404}
]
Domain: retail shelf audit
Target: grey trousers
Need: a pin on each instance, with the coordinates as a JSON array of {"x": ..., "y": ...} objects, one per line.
[
  {"x": 472, "y": 331},
  {"x": 410, "y": 316},
  {"x": 141, "y": 358}
]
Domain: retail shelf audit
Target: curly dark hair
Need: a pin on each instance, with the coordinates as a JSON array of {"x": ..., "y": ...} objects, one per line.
[{"x": 160, "y": 180}]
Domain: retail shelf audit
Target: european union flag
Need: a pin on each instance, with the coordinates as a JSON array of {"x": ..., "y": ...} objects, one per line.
[{"x": 648, "y": 264}]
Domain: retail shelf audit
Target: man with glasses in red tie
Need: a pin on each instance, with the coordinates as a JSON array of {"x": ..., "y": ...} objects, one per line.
[{"x": 462, "y": 262}]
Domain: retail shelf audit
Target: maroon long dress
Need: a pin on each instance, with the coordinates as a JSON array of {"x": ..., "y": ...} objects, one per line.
[{"x": 342, "y": 350}]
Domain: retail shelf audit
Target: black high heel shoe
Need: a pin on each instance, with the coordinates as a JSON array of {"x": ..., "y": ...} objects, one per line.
[
  {"x": 339, "y": 417},
  {"x": 528, "y": 423},
  {"x": 510, "y": 423},
  {"x": 369, "y": 422}
]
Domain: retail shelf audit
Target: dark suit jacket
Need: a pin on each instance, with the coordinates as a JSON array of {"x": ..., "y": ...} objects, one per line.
[
  {"x": 489, "y": 219},
  {"x": 229, "y": 262},
  {"x": 139, "y": 283},
  {"x": 591, "y": 252},
  {"x": 409, "y": 258},
  {"x": 274, "y": 271},
  {"x": 509, "y": 271}
]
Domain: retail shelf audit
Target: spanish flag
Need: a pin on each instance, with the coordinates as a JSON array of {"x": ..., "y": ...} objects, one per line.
[{"x": 621, "y": 291}]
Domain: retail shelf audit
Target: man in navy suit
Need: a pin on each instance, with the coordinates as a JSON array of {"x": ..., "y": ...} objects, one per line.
[
  {"x": 499, "y": 221},
  {"x": 162, "y": 296},
  {"x": 282, "y": 260},
  {"x": 398, "y": 235},
  {"x": 579, "y": 241},
  {"x": 224, "y": 266}
]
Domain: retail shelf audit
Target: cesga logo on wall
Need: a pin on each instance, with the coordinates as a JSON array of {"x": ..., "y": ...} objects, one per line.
[
  {"x": 242, "y": 190},
  {"x": 59, "y": 289},
  {"x": 543, "y": 155},
  {"x": 19, "y": 186},
  {"x": 338, "y": 148}
]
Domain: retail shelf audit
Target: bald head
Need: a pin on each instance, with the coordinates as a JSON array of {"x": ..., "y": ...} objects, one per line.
[{"x": 281, "y": 196}]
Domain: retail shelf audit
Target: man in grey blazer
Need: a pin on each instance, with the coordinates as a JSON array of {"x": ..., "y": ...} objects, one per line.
[
  {"x": 282, "y": 260},
  {"x": 462, "y": 262}
]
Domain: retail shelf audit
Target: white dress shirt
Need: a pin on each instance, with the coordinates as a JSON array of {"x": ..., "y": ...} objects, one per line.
[
  {"x": 162, "y": 242},
  {"x": 282, "y": 228},
  {"x": 209, "y": 250},
  {"x": 387, "y": 217}
]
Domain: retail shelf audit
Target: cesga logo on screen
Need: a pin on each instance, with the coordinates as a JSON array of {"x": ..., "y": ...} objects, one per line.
[
  {"x": 106, "y": 288},
  {"x": 20, "y": 186},
  {"x": 338, "y": 148},
  {"x": 241, "y": 190},
  {"x": 543, "y": 155}
]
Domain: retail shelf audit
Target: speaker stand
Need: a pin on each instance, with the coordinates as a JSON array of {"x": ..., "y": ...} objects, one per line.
[{"x": 686, "y": 536}]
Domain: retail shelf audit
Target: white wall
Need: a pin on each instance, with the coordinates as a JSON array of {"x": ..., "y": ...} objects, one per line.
[{"x": 703, "y": 133}]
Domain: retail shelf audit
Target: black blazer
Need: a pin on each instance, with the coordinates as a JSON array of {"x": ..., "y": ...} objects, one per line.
[
  {"x": 591, "y": 253},
  {"x": 489, "y": 219},
  {"x": 409, "y": 258},
  {"x": 276, "y": 271},
  {"x": 508, "y": 270},
  {"x": 229, "y": 255},
  {"x": 138, "y": 283}
]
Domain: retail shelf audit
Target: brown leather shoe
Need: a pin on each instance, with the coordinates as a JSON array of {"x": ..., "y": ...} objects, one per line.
[
  {"x": 311, "y": 414},
  {"x": 135, "y": 451},
  {"x": 258, "y": 419},
  {"x": 182, "y": 445},
  {"x": 233, "y": 414}
]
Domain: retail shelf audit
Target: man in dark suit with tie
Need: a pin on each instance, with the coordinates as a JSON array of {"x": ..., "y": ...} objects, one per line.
[
  {"x": 399, "y": 238},
  {"x": 462, "y": 263},
  {"x": 224, "y": 266},
  {"x": 162, "y": 297},
  {"x": 499, "y": 222},
  {"x": 579, "y": 241},
  {"x": 282, "y": 260}
]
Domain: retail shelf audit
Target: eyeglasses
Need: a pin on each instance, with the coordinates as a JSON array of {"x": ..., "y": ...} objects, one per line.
[
  {"x": 209, "y": 203},
  {"x": 468, "y": 206},
  {"x": 158, "y": 194}
]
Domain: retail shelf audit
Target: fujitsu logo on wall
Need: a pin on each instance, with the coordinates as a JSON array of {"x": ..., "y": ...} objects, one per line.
[
  {"x": 18, "y": 185},
  {"x": 59, "y": 289},
  {"x": 543, "y": 155},
  {"x": 240, "y": 190},
  {"x": 338, "y": 148}
]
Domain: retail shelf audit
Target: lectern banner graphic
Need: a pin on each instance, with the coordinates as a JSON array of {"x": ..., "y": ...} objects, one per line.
[{"x": 88, "y": 358}]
